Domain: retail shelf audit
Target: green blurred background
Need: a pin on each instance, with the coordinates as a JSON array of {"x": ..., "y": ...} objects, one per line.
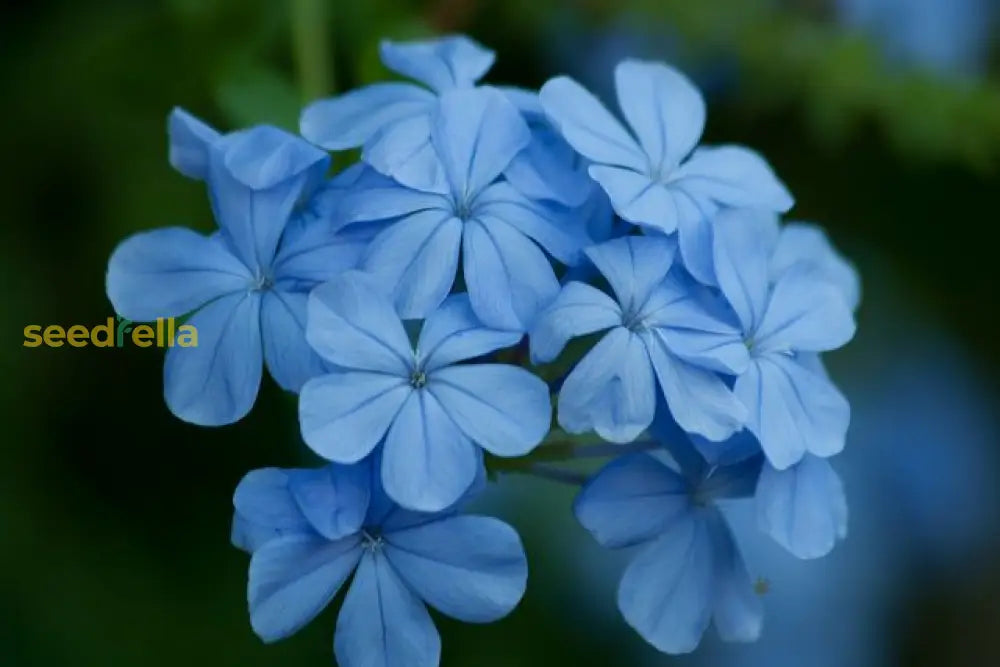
[{"x": 882, "y": 116}]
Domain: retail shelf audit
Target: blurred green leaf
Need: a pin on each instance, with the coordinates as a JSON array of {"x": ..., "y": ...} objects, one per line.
[{"x": 259, "y": 95}]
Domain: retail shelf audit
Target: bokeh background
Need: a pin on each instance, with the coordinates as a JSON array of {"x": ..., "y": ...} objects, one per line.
[{"x": 883, "y": 117}]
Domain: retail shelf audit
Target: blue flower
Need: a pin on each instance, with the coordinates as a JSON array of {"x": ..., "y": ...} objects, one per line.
[
  {"x": 476, "y": 134},
  {"x": 432, "y": 413},
  {"x": 393, "y": 120},
  {"x": 311, "y": 529},
  {"x": 793, "y": 406},
  {"x": 688, "y": 570},
  {"x": 245, "y": 285},
  {"x": 662, "y": 331},
  {"x": 656, "y": 178}
]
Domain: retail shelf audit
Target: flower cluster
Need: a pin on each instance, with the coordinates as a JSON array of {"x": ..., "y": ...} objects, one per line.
[{"x": 402, "y": 297}]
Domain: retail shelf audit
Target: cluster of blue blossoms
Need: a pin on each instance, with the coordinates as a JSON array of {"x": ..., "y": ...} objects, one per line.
[{"x": 483, "y": 224}]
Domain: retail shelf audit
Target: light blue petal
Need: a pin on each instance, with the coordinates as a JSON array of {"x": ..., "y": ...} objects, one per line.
[
  {"x": 504, "y": 409},
  {"x": 611, "y": 390},
  {"x": 170, "y": 272},
  {"x": 453, "y": 333},
  {"x": 293, "y": 578},
  {"x": 508, "y": 277},
  {"x": 633, "y": 499},
  {"x": 290, "y": 359},
  {"x": 351, "y": 322},
  {"x": 558, "y": 231},
  {"x": 578, "y": 310},
  {"x": 476, "y": 133},
  {"x": 695, "y": 328},
  {"x": 744, "y": 242},
  {"x": 343, "y": 415},
  {"x": 665, "y": 110},
  {"x": 351, "y": 119},
  {"x": 634, "y": 267},
  {"x": 698, "y": 398},
  {"x": 255, "y": 182},
  {"x": 792, "y": 410},
  {"x": 738, "y": 611},
  {"x": 526, "y": 102},
  {"x": 427, "y": 462},
  {"x": 801, "y": 242},
  {"x": 403, "y": 152},
  {"x": 265, "y": 509},
  {"x": 472, "y": 568},
  {"x": 382, "y": 623},
  {"x": 313, "y": 251},
  {"x": 637, "y": 198},
  {"x": 190, "y": 142},
  {"x": 453, "y": 61},
  {"x": 733, "y": 176},
  {"x": 549, "y": 169},
  {"x": 333, "y": 498},
  {"x": 216, "y": 382},
  {"x": 803, "y": 508},
  {"x": 382, "y": 203},
  {"x": 804, "y": 313},
  {"x": 666, "y": 593},
  {"x": 416, "y": 260},
  {"x": 588, "y": 126}
]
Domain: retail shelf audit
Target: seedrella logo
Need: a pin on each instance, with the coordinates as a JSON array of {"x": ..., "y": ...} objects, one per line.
[{"x": 116, "y": 332}]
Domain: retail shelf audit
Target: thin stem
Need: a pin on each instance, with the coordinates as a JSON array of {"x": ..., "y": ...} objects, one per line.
[
  {"x": 311, "y": 45},
  {"x": 554, "y": 474}
]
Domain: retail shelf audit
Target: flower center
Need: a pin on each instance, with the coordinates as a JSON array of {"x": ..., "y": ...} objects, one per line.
[
  {"x": 633, "y": 320},
  {"x": 262, "y": 282},
  {"x": 418, "y": 379},
  {"x": 371, "y": 540}
]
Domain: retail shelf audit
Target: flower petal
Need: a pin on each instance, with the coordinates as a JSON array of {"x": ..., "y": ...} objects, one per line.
[
  {"x": 801, "y": 242},
  {"x": 256, "y": 178},
  {"x": 578, "y": 310},
  {"x": 169, "y": 272},
  {"x": 611, "y": 390},
  {"x": 382, "y": 623},
  {"x": 508, "y": 277},
  {"x": 805, "y": 313},
  {"x": 416, "y": 260},
  {"x": 792, "y": 410},
  {"x": 664, "y": 108},
  {"x": 314, "y": 251},
  {"x": 289, "y": 358},
  {"x": 472, "y": 568},
  {"x": 333, "y": 498},
  {"x": 403, "y": 152},
  {"x": 666, "y": 593},
  {"x": 427, "y": 462},
  {"x": 476, "y": 133},
  {"x": 803, "y": 508},
  {"x": 190, "y": 142},
  {"x": 637, "y": 198},
  {"x": 698, "y": 398},
  {"x": 349, "y": 120},
  {"x": 588, "y": 126},
  {"x": 453, "y": 333},
  {"x": 352, "y": 323},
  {"x": 504, "y": 409},
  {"x": 634, "y": 266},
  {"x": 738, "y": 612},
  {"x": 293, "y": 578},
  {"x": 694, "y": 235},
  {"x": 265, "y": 509},
  {"x": 744, "y": 242},
  {"x": 216, "y": 382},
  {"x": 343, "y": 415},
  {"x": 733, "y": 176},
  {"x": 631, "y": 500},
  {"x": 549, "y": 169},
  {"x": 381, "y": 203},
  {"x": 454, "y": 61}
]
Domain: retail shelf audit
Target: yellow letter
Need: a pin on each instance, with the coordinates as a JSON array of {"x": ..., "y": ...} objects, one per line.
[
  {"x": 109, "y": 333},
  {"x": 54, "y": 335},
  {"x": 31, "y": 335},
  {"x": 187, "y": 336},
  {"x": 142, "y": 335},
  {"x": 77, "y": 336}
]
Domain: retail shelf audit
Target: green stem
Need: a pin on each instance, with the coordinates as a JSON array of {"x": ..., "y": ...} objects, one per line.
[{"x": 311, "y": 43}]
